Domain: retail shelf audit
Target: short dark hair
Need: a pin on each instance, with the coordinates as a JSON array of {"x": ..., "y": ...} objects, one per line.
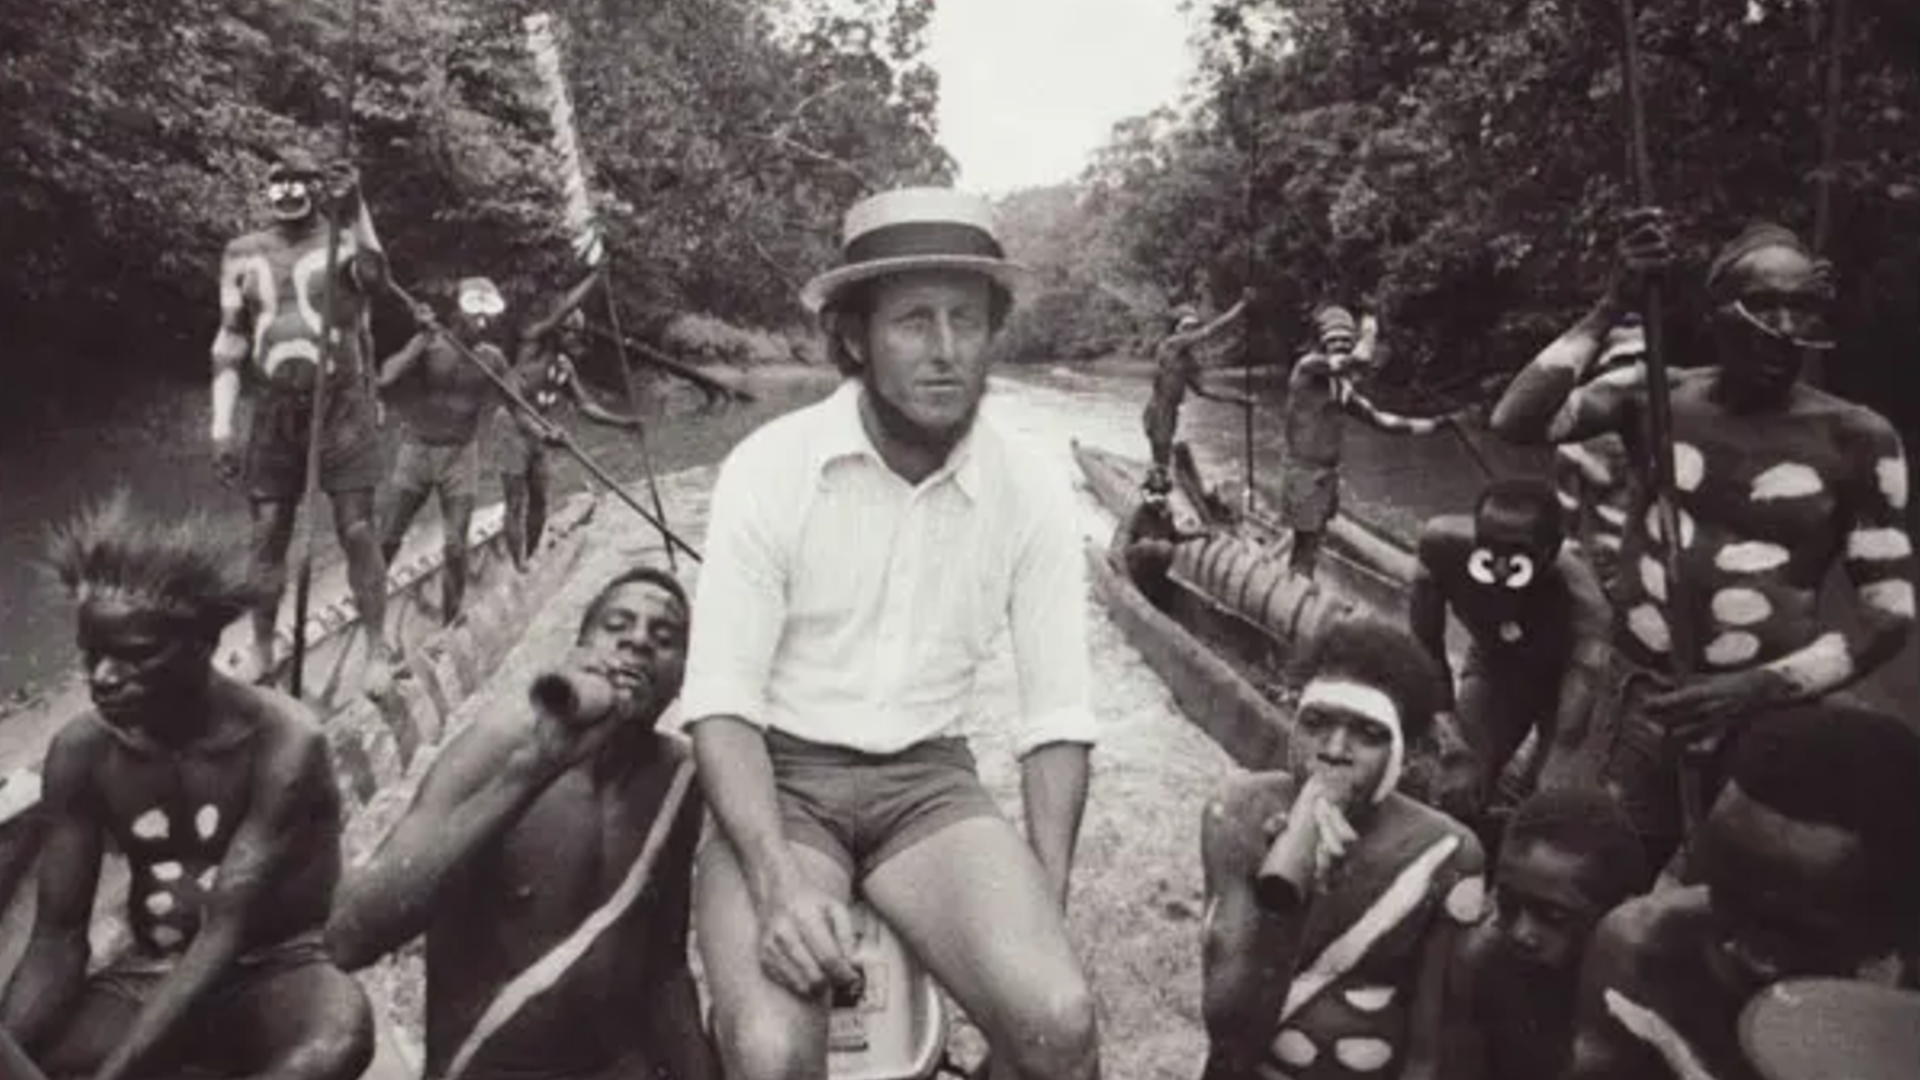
[
  {"x": 1589, "y": 822},
  {"x": 849, "y": 309},
  {"x": 639, "y": 575},
  {"x": 1382, "y": 655},
  {"x": 1526, "y": 493},
  {"x": 1850, "y": 766}
]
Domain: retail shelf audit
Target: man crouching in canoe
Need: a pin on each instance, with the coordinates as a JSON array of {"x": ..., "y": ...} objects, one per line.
[
  {"x": 221, "y": 799},
  {"x": 547, "y": 858},
  {"x": 1334, "y": 902}
]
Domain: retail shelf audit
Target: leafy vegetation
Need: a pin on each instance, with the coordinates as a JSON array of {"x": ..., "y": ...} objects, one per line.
[
  {"x": 725, "y": 138},
  {"x": 1456, "y": 165}
]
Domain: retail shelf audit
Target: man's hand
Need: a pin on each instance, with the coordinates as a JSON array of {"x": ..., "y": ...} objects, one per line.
[
  {"x": 424, "y": 318},
  {"x": 807, "y": 937},
  {"x": 549, "y": 433},
  {"x": 1704, "y": 706},
  {"x": 561, "y": 742},
  {"x": 340, "y": 187},
  {"x": 227, "y": 460},
  {"x": 1646, "y": 246},
  {"x": 1316, "y": 836}
]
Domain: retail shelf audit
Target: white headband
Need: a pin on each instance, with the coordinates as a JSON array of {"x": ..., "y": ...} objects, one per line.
[{"x": 1359, "y": 699}]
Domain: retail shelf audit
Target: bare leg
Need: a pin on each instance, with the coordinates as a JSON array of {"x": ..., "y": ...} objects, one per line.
[
  {"x": 513, "y": 490},
  {"x": 764, "y": 1031},
  {"x": 406, "y": 503},
  {"x": 272, "y": 535},
  {"x": 99, "y": 1021},
  {"x": 310, "y": 1022},
  {"x": 367, "y": 579},
  {"x": 972, "y": 902},
  {"x": 1305, "y": 556},
  {"x": 539, "y": 478},
  {"x": 456, "y": 514},
  {"x": 14, "y": 1062}
]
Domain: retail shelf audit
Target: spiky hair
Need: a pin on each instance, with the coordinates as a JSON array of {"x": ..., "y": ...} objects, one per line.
[{"x": 186, "y": 567}]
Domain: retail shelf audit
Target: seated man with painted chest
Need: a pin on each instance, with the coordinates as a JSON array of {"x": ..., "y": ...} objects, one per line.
[
  {"x": 223, "y": 801},
  {"x": 1808, "y": 867},
  {"x": 1333, "y": 901}
]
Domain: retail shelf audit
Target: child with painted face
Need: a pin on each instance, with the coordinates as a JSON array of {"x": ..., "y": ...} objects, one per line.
[
  {"x": 1569, "y": 856},
  {"x": 1808, "y": 870},
  {"x": 1334, "y": 902},
  {"x": 1537, "y": 621}
]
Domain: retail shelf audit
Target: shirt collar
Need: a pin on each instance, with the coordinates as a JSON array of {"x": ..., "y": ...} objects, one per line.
[{"x": 844, "y": 436}]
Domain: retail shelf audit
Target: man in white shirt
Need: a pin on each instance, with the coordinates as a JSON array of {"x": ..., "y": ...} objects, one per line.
[{"x": 862, "y": 554}]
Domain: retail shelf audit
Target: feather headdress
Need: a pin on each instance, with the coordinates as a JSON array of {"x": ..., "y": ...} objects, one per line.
[{"x": 186, "y": 567}]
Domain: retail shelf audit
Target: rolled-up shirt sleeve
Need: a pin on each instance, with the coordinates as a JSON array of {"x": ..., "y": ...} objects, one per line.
[
  {"x": 739, "y": 601},
  {"x": 1048, "y": 617}
]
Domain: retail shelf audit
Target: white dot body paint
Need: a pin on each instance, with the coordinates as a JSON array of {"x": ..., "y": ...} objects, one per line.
[
  {"x": 1653, "y": 578},
  {"x": 1686, "y": 525},
  {"x": 1825, "y": 663},
  {"x": 1370, "y": 998},
  {"x": 1294, "y": 1048},
  {"x": 1787, "y": 480},
  {"x": 1751, "y": 557},
  {"x": 1689, "y": 466},
  {"x": 1592, "y": 469},
  {"x": 1612, "y": 515},
  {"x": 1891, "y": 472},
  {"x": 1892, "y": 597},
  {"x": 1646, "y": 623},
  {"x": 207, "y": 821},
  {"x": 152, "y": 825},
  {"x": 160, "y": 902},
  {"x": 167, "y": 871},
  {"x": 1878, "y": 545},
  {"x": 1363, "y": 1054},
  {"x": 1567, "y": 501},
  {"x": 1467, "y": 900},
  {"x": 207, "y": 877},
  {"x": 1731, "y": 648},
  {"x": 1741, "y": 607},
  {"x": 1510, "y": 632},
  {"x": 167, "y": 936}
]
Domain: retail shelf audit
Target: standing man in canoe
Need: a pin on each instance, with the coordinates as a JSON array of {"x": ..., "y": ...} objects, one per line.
[
  {"x": 1319, "y": 390},
  {"x": 1177, "y": 370},
  {"x": 524, "y": 829},
  {"x": 1775, "y": 481},
  {"x": 545, "y": 377},
  {"x": 221, "y": 798},
  {"x": 862, "y": 554},
  {"x": 442, "y": 398},
  {"x": 273, "y": 304}
]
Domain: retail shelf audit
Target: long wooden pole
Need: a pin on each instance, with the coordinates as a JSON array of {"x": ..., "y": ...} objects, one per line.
[
  {"x": 1247, "y": 197},
  {"x": 330, "y": 342},
  {"x": 633, "y": 410},
  {"x": 1814, "y": 361}
]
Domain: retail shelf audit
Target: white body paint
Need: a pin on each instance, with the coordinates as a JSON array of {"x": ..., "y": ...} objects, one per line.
[
  {"x": 1370, "y": 999},
  {"x": 1689, "y": 466},
  {"x": 1788, "y": 480},
  {"x": 1878, "y": 545},
  {"x": 1592, "y": 469},
  {"x": 1363, "y": 1053},
  {"x": 1741, "y": 607},
  {"x": 207, "y": 822},
  {"x": 1359, "y": 699},
  {"x": 1822, "y": 664},
  {"x": 1646, "y": 623},
  {"x": 1733, "y": 648},
  {"x": 168, "y": 871},
  {"x": 1892, "y": 474},
  {"x": 1751, "y": 557},
  {"x": 1653, "y": 578},
  {"x": 1892, "y": 597},
  {"x": 152, "y": 825}
]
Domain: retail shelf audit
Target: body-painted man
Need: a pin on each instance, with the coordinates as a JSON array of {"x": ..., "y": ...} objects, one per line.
[
  {"x": 1334, "y": 902},
  {"x": 1593, "y": 480},
  {"x": 493, "y": 865},
  {"x": 1177, "y": 371},
  {"x": 545, "y": 377},
  {"x": 221, "y": 798},
  {"x": 274, "y": 298},
  {"x": 1536, "y": 620},
  {"x": 1151, "y": 538},
  {"x": 1569, "y": 856},
  {"x": 443, "y": 398},
  {"x": 1775, "y": 481},
  {"x": 1320, "y": 392},
  {"x": 1807, "y": 870}
]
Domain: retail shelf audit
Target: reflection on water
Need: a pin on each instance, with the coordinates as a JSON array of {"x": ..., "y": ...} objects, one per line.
[{"x": 154, "y": 442}]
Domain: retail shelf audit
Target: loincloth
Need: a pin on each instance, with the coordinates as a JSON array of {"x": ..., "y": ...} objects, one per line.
[
  {"x": 452, "y": 469},
  {"x": 133, "y": 975},
  {"x": 350, "y": 449}
]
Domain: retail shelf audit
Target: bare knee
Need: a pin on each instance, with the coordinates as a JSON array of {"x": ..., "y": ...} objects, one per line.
[
  {"x": 1058, "y": 1039},
  {"x": 766, "y": 1044},
  {"x": 341, "y": 1051}
]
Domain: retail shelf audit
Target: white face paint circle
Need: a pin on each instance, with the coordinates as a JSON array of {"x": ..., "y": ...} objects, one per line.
[
  {"x": 1510, "y": 632},
  {"x": 207, "y": 822},
  {"x": 152, "y": 825},
  {"x": 1480, "y": 566}
]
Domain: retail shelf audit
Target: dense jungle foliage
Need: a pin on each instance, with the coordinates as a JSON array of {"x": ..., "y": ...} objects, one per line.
[
  {"x": 724, "y": 138},
  {"x": 1456, "y": 165}
]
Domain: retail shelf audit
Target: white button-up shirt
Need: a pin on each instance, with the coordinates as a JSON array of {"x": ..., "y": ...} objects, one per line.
[{"x": 842, "y": 605}]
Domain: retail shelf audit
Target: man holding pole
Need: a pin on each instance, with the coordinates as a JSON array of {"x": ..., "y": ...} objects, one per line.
[
  {"x": 1177, "y": 371},
  {"x": 273, "y": 304},
  {"x": 1774, "y": 482}
]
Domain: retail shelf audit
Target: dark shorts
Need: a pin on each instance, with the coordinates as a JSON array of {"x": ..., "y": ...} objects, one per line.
[
  {"x": 1309, "y": 496},
  {"x": 134, "y": 975},
  {"x": 863, "y": 809},
  {"x": 350, "y": 458},
  {"x": 453, "y": 470}
]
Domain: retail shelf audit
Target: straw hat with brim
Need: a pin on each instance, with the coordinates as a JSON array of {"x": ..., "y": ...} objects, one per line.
[
  {"x": 1832, "y": 1029},
  {"x": 896, "y": 232}
]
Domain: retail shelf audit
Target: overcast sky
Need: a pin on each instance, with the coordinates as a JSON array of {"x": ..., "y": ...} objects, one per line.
[{"x": 1029, "y": 88}]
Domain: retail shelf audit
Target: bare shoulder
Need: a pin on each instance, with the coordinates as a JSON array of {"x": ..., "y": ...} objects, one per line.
[
  {"x": 287, "y": 728},
  {"x": 1444, "y": 536},
  {"x": 74, "y": 749},
  {"x": 1651, "y": 925},
  {"x": 1468, "y": 857}
]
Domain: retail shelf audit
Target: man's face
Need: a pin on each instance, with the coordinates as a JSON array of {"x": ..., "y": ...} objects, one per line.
[
  {"x": 925, "y": 350},
  {"x": 637, "y": 637},
  {"x": 1787, "y": 895},
  {"x": 1780, "y": 306},
  {"x": 1547, "y": 901},
  {"x": 479, "y": 307},
  {"x": 1344, "y": 738},
  {"x": 139, "y": 666},
  {"x": 1513, "y": 550},
  {"x": 290, "y": 197}
]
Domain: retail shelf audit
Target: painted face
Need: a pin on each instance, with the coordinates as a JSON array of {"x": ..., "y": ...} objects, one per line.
[
  {"x": 1787, "y": 894},
  {"x": 1513, "y": 548},
  {"x": 638, "y": 635},
  {"x": 1780, "y": 309},
  {"x": 480, "y": 303},
  {"x": 1349, "y": 735},
  {"x": 926, "y": 355},
  {"x": 289, "y": 198},
  {"x": 139, "y": 665},
  {"x": 1546, "y": 904}
]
